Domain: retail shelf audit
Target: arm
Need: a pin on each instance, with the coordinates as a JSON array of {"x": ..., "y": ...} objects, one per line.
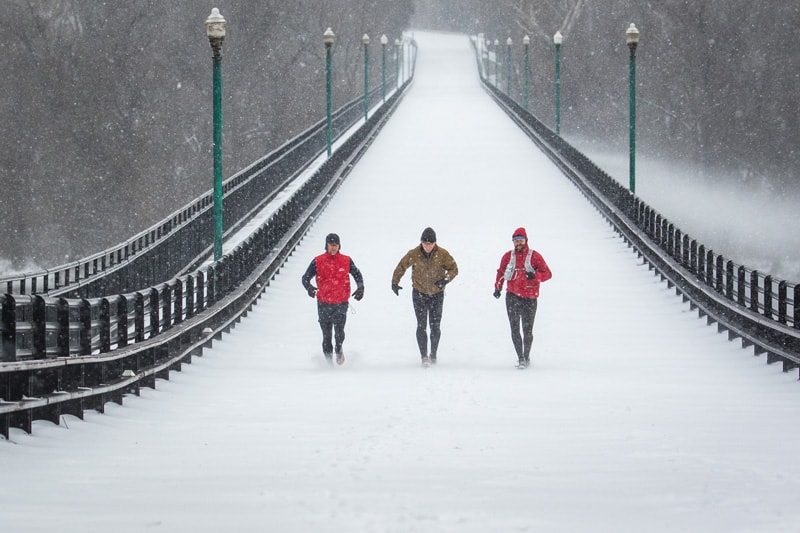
[
  {"x": 356, "y": 273},
  {"x": 543, "y": 272},
  {"x": 500, "y": 278},
  {"x": 401, "y": 268},
  {"x": 311, "y": 271}
]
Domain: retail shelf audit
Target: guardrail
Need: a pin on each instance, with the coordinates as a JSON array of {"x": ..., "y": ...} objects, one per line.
[
  {"x": 181, "y": 240},
  {"x": 759, "y": 309},
  {"x": 63, "y": 356}
]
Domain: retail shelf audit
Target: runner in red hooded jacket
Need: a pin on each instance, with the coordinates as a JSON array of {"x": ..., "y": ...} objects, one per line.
[{"x": 523, "y": 269}]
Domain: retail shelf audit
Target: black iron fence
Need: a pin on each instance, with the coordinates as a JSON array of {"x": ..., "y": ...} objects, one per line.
[
  {"x": 62, "y": 355},
  {"x": 179, "y": 242}
]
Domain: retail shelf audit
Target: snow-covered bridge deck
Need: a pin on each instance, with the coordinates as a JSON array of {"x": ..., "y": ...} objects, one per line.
[{"x": 635, "y": 415}]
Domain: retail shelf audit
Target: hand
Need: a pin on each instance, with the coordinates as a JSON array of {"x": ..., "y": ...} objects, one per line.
[
  {"x": 396, "y": 289},
  {"x": 497, "y": 293},
  {"x": 312, "y": 290},
  {"x": 441, "y": 283},
  {"x": 358, "y": 294},
  {"x": 530, "y": 275}
]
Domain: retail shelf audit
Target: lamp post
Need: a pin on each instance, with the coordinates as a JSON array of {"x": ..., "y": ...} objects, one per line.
[
  {"x": 365, "y": 40},
  {"x": 508, "y": 67},
  {"x": 328, "y": 37},
  {"x": 384, "y": 42},
  {"x": 397, "y": 63},
  {"x": 215, "y": 31},
  {"x": 496, "y": 49},
  {"x": 557, "y": 38},
  {"x": 632, "y": 38},
  {"x": 526, "y": 41}
]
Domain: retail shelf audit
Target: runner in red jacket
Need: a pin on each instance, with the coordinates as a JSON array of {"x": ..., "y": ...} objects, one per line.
[
  {"x": 332, "y": 271},
  {"x": 524, "y": 269}
]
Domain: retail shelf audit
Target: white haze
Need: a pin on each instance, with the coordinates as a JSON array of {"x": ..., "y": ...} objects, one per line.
[{"x": 634, "y": 417}]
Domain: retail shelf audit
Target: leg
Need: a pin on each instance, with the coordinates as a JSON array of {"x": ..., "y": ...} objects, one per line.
[
  {"x": 421, "y": 312},
  {"x": 436, "y": 303},
  {"x": 338, "y": 327},
  {"x": 513, "y": 310},
  {"x": 326, "y": 324},
  {"x": 528, "y": 316}
]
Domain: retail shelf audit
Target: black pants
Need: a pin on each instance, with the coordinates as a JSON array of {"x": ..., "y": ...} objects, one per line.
[
  {"x": 428, "y": 308},
  {"x": 331, "y": 319},
  {"x": 521, "y": 314}
]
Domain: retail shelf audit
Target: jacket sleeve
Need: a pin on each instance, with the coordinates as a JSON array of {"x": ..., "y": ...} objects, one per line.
[
  {"x": 451, "y": 267},
  {"x": 356, "y": 273},
  {"x": 401, "y": 268},
  {"x": 543, "y": 272},
  {"x": 311, "y": 271},
  {"x": 501, "y": 271}
]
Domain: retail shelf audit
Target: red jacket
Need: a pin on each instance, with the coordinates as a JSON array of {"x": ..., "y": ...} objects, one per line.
[
  {"x": 333, "y": 278},
  {"x": 519, "y": 284}
]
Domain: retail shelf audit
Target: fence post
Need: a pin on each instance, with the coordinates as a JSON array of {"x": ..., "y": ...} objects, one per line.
[
  {"x": 138, "y": 317},
  {"x": 782, "y": 303},
  {"x": 85, "y": 314},
  {"x": 729, "y": 280},
  {"x": 768, "y": 296},
  {"x": 754, "y": 291},
  {"x": 8, "y": 323}
]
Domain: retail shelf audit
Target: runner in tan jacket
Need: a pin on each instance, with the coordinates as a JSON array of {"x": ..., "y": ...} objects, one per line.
[{"x": 432, "y": 267}]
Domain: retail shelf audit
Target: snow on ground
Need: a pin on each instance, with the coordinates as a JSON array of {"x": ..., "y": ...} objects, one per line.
[{"x": 635, "y": 415}]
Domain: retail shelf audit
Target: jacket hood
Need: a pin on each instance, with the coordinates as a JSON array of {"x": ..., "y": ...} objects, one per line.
[{"x": 520, "y": 231}]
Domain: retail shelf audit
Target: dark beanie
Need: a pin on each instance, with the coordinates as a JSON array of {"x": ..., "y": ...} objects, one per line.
[
  {"x": 332, "y": 238},
  {"x": 428, "y": 235}
]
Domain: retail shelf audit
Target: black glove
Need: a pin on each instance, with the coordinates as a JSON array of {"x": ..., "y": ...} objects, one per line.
[
  {"x": 358, "y": 294},
  {"x": 441, "y": 283},
  {"x": 530, "y": 275},
  {"x": 396, "y": 289},
  {"x": 312, "y": 290},
  {"x": 497, "y": 293}
]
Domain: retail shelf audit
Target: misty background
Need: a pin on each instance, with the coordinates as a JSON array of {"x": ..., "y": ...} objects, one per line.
[{"x": 107, "y": 105}]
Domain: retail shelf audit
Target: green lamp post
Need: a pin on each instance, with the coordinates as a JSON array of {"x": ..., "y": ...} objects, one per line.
[
  {"x": 384, "y": 42},
  {"x": 632, "y": 38},
  {"x": 496, "y": 62},
  {"x": 365, "y": 41},
  {"x": 526, "y": 42},
  {"x": 328, "y": 37},
  {"x": 557, "y": 39},
  {"x": 215, "y": 31},
  {"x": 397, "y": 63},
  {"x": 508, "y": 66}
]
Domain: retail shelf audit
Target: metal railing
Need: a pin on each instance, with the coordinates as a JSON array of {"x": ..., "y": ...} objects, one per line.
[
  {"x": 181, "y": 240},
  {"x": 62, "y": 355},
  {"x": 761, "y": 310}
]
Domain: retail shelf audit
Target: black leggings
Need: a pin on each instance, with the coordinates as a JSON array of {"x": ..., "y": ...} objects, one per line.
[
  {"x": 332, "y": 318},
  {"x": 428, "y": 308},
  {"x": 521, "y": 311}
]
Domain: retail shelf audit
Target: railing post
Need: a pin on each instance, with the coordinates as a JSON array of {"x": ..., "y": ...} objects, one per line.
[
  {"x": 122, "y": 321},
  {"x": 782, "y": 302},
  {"x": 796, "y": 304},
  {"x": 8, "y": 327},
  {"x": 754, "y": 291},
  {"x": 85, "y": 320},
  {"x": 154, "y": 308},
  {"x": 138, "y": 317},
  {"x": 768, "y": 296},
  {"x": 63, "y": 327},
  {"x": 729, "y": 280},
  {"x": 741, "y": 286},
  {"x": 710, "y": 268},
  {"x": 720, "y": 272},
  {"x": 104, "y": 325}
]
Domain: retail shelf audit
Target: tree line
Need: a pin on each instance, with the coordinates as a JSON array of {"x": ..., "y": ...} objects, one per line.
[{"x": 108, "y": 106}]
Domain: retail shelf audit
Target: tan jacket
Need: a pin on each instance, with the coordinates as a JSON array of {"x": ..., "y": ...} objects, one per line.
[{"x": 426, "y": 271}]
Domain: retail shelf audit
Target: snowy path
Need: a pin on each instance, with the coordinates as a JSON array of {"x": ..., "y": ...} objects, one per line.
[{"x": 634, "y": 417}]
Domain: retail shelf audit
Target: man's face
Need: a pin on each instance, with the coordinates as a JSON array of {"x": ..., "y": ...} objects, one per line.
[
  {"x": 519, "y": 244},
  {"x": 428, "y": 246},
  {"x": 333, "y": 249}
]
